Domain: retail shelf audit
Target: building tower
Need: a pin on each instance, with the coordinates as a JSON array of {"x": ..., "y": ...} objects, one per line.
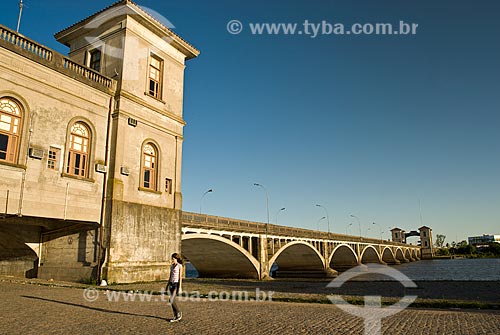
[
  {"x": 142, "y": 211},
  {"x": 427, "y": 250},
  {"x": 398, "y": 235}
]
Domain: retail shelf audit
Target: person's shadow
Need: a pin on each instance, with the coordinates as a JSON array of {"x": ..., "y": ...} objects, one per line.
[{"x": 94, "y": 308}]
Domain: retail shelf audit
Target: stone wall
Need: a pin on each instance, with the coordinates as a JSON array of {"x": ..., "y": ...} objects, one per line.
[
  {"x": 141, "y": 241},
  {"x": 17, "y": 258},
  {"x": 70, "y": 255}
]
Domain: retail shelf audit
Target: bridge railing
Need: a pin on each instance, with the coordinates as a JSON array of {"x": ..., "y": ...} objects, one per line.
[
  {"x": 222, "y": 223},
  {"x": 205, "y": 221}
]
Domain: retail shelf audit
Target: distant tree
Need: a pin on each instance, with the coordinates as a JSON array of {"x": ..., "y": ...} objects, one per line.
[
  {"x": 494, "y": 248},
  {"x": 440, "y": 240},
  {"x": 466, "y": 249},
  {"x": 442, "y": 252}
]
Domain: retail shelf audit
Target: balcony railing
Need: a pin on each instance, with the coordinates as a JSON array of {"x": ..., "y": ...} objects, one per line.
[
  {"x": 45, "y": 56},
  {"x": 25, "y": 44},
  {"x": 86, "y": 72}
]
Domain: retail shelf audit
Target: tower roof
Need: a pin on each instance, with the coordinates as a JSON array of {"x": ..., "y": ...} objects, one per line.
[{"x": 148, "y": 20}]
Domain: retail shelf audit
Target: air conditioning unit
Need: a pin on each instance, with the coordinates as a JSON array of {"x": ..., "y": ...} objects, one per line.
[
  {"x": 36, "y": 153},
  {"x": 124, "y": 171},
  {"x": 100, "y": 168},
  {"x": 132, "y": 122}
]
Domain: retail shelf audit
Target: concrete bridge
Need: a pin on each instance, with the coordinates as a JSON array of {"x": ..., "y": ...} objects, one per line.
[{"x": 224, "y": 247}]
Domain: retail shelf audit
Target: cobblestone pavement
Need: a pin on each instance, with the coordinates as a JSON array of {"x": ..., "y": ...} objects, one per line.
[{"x": 35, "y": 309}]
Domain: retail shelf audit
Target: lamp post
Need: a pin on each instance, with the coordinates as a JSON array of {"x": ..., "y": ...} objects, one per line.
[
  {"x": 379, "y": 228},
  {"x": 324, "y": 217},
  {"x": 201, "y": 200},
  {"x": 327, "y": 217},
  {"x": 350, "y": 224},
  {"x": 277, "y": 213},
  {"x": 267, "y": 202},
  {"x": 359, "y": 224}
]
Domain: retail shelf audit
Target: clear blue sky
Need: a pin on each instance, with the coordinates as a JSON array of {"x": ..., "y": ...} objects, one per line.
[{"x": 364, "y": 125}]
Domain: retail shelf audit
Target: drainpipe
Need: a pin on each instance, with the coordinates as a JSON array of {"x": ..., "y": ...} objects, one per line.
[
  {"x": 66, "y": 201},
  {"x": 23, "y": 179},
  {"x": 101, "y": 248},
  {"x": 40, "y": 245},
  {"x": 174, "y": 182},
  {"x": 7, "y": 203}
]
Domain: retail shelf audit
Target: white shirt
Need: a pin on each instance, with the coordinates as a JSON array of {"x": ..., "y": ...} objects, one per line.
[{"x": 175, "y": 273}]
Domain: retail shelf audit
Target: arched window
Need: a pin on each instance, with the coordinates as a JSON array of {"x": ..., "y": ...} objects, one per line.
[
  {"x": 149, "y": 167},
  {"x": 10, "y": 129},
  {"x": 78, "y": 150}
]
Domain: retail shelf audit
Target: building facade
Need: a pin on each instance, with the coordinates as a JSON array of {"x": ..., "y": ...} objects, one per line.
[
  {"x": 91, "y": 149},
  {"x": 425, "y": 242},
  {"x": 483, "y": 240}
]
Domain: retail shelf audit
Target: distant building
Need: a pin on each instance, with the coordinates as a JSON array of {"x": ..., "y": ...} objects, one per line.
[
  {"x": 426, "y": 243},
  {"x": 425, "y": 234},
  {"x": 483, "y": 240}
]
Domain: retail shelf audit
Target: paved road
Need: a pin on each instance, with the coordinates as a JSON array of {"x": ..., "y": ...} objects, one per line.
[{"x": 34, "y": 309}]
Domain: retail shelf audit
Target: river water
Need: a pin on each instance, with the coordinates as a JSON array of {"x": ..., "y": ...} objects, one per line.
[
  {"x": 483, "y": 269},
  {"x": 452, "y": 269}
]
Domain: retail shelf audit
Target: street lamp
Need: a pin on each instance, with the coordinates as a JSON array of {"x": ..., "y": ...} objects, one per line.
[
  {"x": 327, "y": 216},
  {"x": 359, "y": 224},
  {"x": 379, "y": 228},
  {"x": 279, "y": 211},
  {"x": 350, "y": 224},
  {"x": 267, "y": 202},
  {"x": 201, "y": 200},
  {"x": 324, "y": 217}
]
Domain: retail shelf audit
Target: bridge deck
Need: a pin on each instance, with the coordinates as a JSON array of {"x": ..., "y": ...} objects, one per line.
[{"x": 204, "y": 221}]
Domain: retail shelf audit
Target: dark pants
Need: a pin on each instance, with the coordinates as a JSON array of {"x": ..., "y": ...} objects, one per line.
[{"x": 173, "y": 289}]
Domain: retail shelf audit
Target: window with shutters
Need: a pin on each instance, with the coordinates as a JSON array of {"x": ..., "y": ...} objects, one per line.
[
  {"x": 10, "y": 129},
  {"x": 149, "y": 170},
  {"x": 95, "y": 60},
  {"x": 155, "y": 76},
  {"x": 78, "y": 150}
]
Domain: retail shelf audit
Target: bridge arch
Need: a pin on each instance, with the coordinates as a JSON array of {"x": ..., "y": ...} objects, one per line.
[
  {"x": 408, "y": 255},
  {"x": 216, "y": 256},
  {"x": 416, "y": 254},
  {"x": 298, "y": 256},
  {"x": 343, "y": 257},
  {"x": 400, "y": 256},
  {"x": 370, "y": 255},
  {"x": 389, "y": 257}
]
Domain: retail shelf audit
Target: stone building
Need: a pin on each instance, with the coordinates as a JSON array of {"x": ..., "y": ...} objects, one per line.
[
  {"x": 91, "y": 149},
  {"x": 425, "y": 234},
  {"x": 426, "y": 242}
]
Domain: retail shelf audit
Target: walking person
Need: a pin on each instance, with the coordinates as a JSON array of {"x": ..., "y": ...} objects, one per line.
[{"x": 174, "y": 285}]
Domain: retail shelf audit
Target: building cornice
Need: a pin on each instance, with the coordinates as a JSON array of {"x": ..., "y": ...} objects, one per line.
[
  {"x": 133, "y": 98},
  {"x": 146, "y": 19}
]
